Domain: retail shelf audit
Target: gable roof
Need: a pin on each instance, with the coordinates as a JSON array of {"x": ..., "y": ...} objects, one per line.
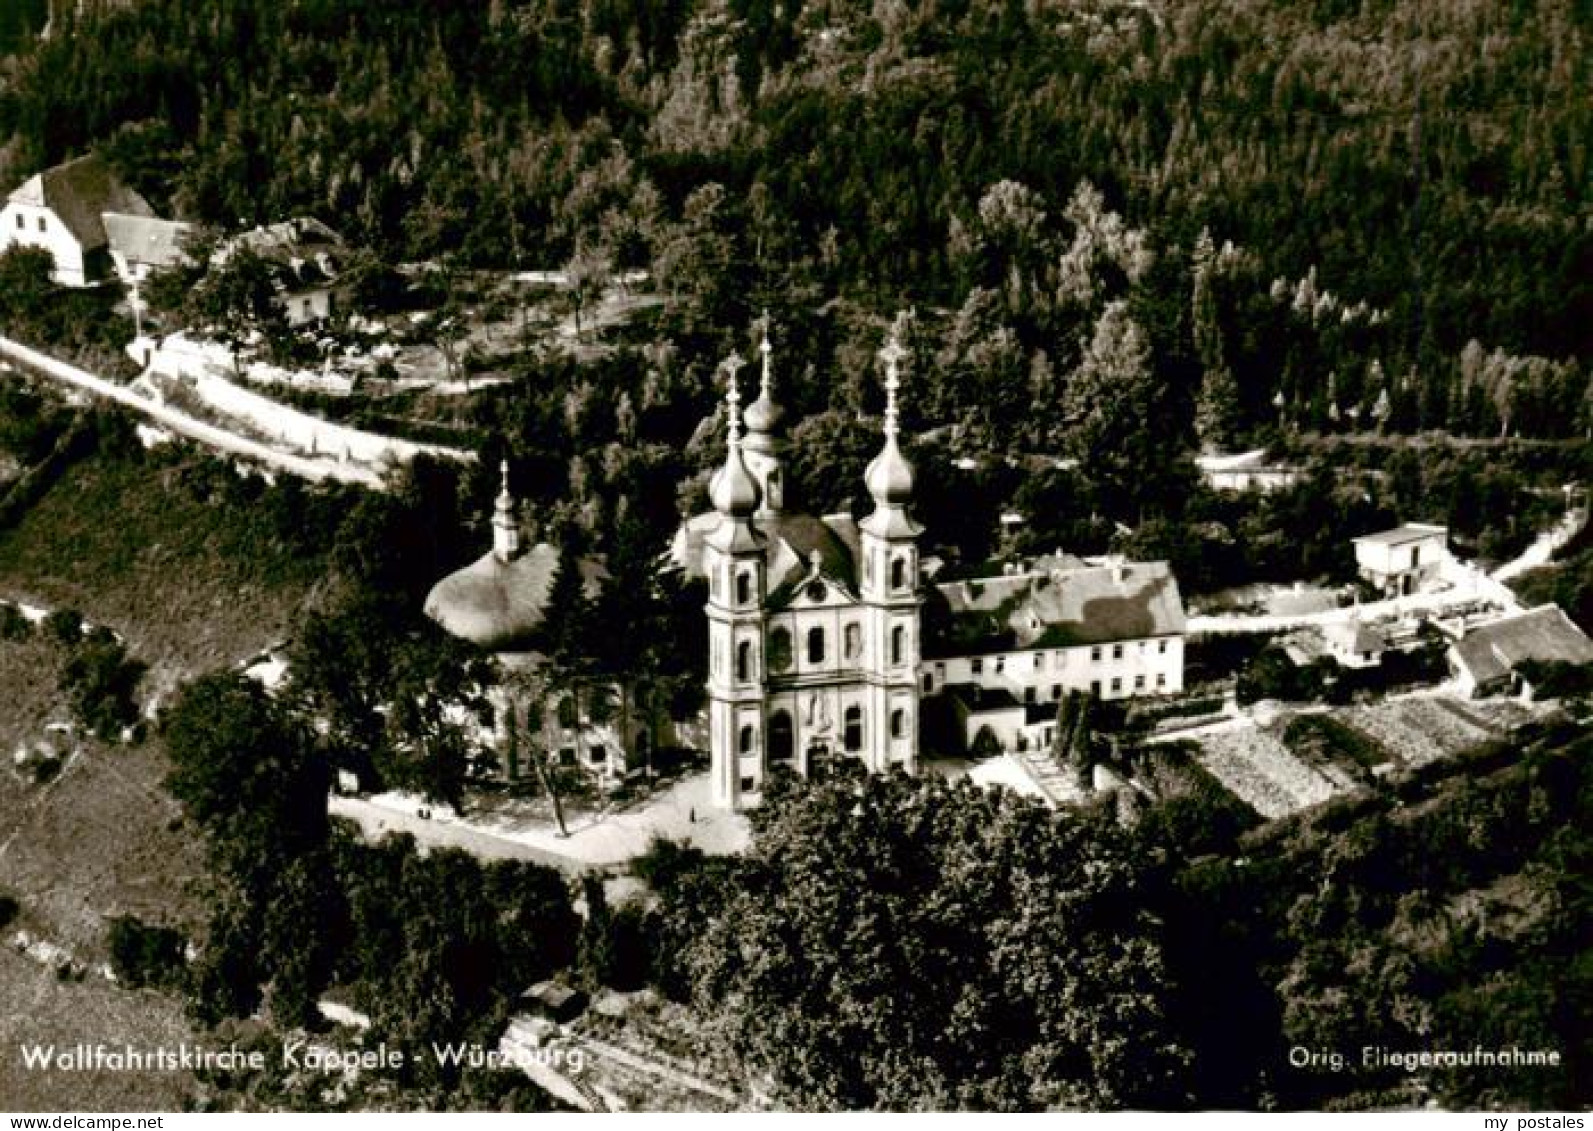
[
  {"x": 791, "y": 541},
  {"x": 79, "y": 193},
  {"x": 1355, "y": 636},
  {"x": 1492, "y": 651},
  {"x": 146, "y": 239}
]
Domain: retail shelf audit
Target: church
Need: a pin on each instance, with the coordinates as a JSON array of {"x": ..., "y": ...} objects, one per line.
[{"x": 825, "y": 644}]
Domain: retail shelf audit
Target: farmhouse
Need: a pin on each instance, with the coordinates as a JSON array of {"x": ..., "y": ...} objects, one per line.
[
  {"x": 62, "y": 210},
  {"x": 305, "y": 259}
]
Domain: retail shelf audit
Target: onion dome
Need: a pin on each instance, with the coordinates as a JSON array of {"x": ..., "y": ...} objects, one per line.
[
  {"x": 889, "y": 477},
  {"x": 765, "y": 416},
  {"x": 734, "y": 490}
]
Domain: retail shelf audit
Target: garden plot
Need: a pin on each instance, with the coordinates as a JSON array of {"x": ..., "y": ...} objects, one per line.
[
  {"x": 1420, "y": 730},
  {"x": 1259, "y": 770}
]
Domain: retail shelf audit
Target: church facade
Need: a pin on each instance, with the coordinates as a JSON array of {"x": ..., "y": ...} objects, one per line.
[{"x": 817, "y": 624}]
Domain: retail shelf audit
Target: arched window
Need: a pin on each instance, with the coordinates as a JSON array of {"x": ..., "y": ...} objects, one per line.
[
  {"x": 781, "y": 743},
  {"x": 779, "y": 650},
  {"x": 743, "y": 588},
  {"x": 898, "y": 573},
  {"x": 852, "y": 733},
  {"x": 852, "y": 638},
  {"x": 744, "y": 661},
  {"x": 898, "y": 723},
  {"x": 748, "y": 741},
  {"x": 898, "y": 644},
  {"x": 815, "y": 645}
]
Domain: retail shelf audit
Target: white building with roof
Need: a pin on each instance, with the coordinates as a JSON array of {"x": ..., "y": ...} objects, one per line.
[
  {"x": 1401, "y": 560},
  {"x": 62, "y": 209}
]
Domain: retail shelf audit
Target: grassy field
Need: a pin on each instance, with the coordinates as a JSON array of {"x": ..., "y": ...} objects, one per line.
[
  {"x": 179, "y": 563},
  {"x": 175, "y": 558},
  {"x": 38, "y": 1008}
]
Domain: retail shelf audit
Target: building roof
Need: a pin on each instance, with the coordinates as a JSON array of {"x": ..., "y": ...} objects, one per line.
[
  {"x": 1406, "y": 532},
  {"x": 500, "y": 605},
  {"x": 147, "y": 239},
  {"x": 304, "y": 251},
  {"x": 790, "y": 543},
  {"x": 1490, "y": 652},
  {"x": 1058, "y": 607},
  {"x": 79, "y": 192}
]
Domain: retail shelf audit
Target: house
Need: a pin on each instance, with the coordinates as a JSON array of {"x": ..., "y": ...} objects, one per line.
[
  {"x": 62, "y": 211},
  {"x": 305, "y": 257},
  {"x": 1399, "y": 561},
  {"x": 1245, "y": 471},
  {"x": 827, "y": 646},
  {"x": 1354, "y": 643},
  {"x": 1486, "y": 659}
]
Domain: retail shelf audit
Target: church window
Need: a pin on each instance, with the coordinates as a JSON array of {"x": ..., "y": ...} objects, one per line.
[
  {"x": 815, "y": 645},
  {"x": 748, "y": 742},
  {"x": 853, "y": 641},
  {"x": 743, "y": 588},
  {"x": 744, "y": 660},
  {"x": 853, "y": 734},
  {"x": 779, "y": 650},
  {"x": 898, "y": 573},
  {"x": 781, "y": 744},
  {"x": 898, "y": 644},
  {"x": 898, "y": 723}
]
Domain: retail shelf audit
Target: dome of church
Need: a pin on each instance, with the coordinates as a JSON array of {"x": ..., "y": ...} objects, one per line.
[
  {"x": 889, "y": 477},
  {"x": 765, "y": 418},
  {"x": 500, "y": 604}
]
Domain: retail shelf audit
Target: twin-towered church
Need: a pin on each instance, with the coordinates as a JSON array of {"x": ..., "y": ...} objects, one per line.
[{"x": 817, "y": 625}]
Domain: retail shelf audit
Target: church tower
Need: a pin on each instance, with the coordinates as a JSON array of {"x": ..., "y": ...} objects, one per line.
[
  {"x": 505, "y": 530},
  {"x": 765, "y": 447},
  {"x": 733, "y": 558},
  {"x": 889, "y": 545}
]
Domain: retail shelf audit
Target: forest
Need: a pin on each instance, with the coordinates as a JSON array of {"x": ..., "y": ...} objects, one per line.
[{"x": 1344, "y": 217}]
